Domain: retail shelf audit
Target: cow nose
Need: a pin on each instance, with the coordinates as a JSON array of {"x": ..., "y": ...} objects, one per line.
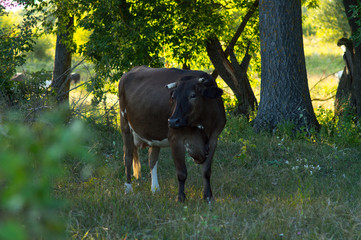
[{"x": 174, "y": 122}]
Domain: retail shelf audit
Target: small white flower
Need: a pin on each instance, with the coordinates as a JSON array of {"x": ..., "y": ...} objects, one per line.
[
  {"x": 305, "y": 166},
  {"x": 287, "y": 162}
]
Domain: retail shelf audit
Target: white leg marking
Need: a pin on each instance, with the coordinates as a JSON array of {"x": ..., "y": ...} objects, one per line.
[
  {"x": 128, "y": 188},
  {"x": 123, "y": 113},
  {"x": 155, "y": 184}
]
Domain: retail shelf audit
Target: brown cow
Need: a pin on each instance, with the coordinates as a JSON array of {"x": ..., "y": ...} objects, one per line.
[{"x": 163, "y": 107}]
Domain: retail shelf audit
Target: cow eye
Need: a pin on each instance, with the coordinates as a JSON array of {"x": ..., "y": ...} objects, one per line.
[{"x": 193, "y": 95}]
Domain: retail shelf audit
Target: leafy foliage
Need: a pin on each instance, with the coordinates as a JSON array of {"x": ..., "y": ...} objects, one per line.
[
  {"x": 27, "y": 93},
  {"x": 158, "y": 33},
  {"x": 328, "y": 20},
  {"x": 15, "y": 41},
  {"x": 356, "y": 13},
  {"x": 124, "y": 34},
  {"x": 31, "y": 163}
]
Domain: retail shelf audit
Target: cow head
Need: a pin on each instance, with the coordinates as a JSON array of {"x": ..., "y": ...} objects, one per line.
[{"x": 188, "y": 97}]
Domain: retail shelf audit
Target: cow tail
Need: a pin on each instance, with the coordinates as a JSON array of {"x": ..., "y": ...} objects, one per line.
[{"x": 136, "y": 163}]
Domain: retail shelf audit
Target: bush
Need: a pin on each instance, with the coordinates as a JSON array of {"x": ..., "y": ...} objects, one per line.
[
  {"x": 31, "y": 163},
  {"x": 27, "y": 93}
]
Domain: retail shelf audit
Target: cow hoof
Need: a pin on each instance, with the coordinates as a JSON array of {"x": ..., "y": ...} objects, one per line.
[
  {"x": 128, "y": 188},
  {"x": 155, "y": 189},
  {"x": 208, "y": 200},
  {"x": 182, "y": 198}
]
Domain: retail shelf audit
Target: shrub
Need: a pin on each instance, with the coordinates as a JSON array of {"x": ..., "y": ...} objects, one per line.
[{"x": 31, "y": 163}]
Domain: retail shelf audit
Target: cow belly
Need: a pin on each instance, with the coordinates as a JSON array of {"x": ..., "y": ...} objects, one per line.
[{"x": 142, "y": 142}]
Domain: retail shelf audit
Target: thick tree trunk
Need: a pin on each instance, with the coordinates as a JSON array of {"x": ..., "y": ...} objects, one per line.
[
  {"x": 62, "y": 64},
  {"x": 356, "y": 68},
  {"x": 285, "y": 95}
]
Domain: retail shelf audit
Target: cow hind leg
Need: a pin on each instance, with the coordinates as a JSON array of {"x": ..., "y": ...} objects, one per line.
[
  {"x": 131, "y": 157},
  {"x": 153, "y": 165},
  {"x": 136, "y": 163}
]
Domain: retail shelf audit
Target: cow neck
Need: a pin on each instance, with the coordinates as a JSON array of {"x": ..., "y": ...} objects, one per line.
[{"x": 203, "y": 132}]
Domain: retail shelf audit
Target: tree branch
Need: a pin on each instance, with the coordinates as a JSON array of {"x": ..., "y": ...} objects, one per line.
[
  {"x": 238, "y": 33},
  {"x": 241, "y": 27}
]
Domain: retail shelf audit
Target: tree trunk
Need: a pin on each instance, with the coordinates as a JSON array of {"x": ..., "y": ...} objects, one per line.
[
  {"x": 62, "y": 64},
  {"x": 345, "y": 95},
  {"x": 285, "y": 95},
  {"x": 356, "y": 68},
  {"x": 234, "y": 75}
]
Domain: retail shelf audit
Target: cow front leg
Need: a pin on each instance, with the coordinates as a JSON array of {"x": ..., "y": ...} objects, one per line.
[
  {"x": 153, "y": 165},
  {"x": 207, "y": 171},
  {"x": 178, "y": 154},
  {"x": 206, "y": 174}
]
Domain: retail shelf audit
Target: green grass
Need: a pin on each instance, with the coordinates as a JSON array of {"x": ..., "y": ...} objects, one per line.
[
  {"x": 263, "y": 188},
  {"x": 322, "y": 58}
]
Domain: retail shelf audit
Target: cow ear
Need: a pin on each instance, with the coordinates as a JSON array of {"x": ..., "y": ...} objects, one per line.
[{"x": 212, "y": 92}]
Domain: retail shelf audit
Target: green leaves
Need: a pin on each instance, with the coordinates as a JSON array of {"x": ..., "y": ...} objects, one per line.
[
  {"x": 356, "y": 12},
  {"x": 15, "y": 41},
  {"x": 31, "y": 161}
]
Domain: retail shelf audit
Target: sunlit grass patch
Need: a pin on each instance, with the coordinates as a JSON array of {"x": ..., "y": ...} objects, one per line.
[
  {"x": 315, "y": 46},
  {"x": 323, "y": 61}
]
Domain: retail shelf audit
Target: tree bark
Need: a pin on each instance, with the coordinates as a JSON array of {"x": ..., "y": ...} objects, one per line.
[
  {"x": 356, "y": 68},
  {"x": 62, "y": 63},
  {"x": 345, "y": 95},
  {"x": 285, "y": 95},
  {"x": 234, "y": 75}
]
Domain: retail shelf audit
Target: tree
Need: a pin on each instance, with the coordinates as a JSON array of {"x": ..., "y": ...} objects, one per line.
[
  {"x": 355, "y": 69},
  {"x": 345, "y": 95},
  {"x": 284, "y": 88},
  {"x": 233, "y": 73},
  {"x": 63, "y": 54},
  {"x": 51, "y": 16},
  {"x": 171, "y": 33},
  {"x": 329, "y": 20},
  {"x": 157, "y": 33},
  {"x": 15, "y": 42}
]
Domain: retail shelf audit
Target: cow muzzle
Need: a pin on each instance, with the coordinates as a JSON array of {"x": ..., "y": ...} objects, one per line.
[{"x": 176, "y": 123}]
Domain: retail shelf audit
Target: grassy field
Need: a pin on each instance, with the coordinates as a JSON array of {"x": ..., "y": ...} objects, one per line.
[
  {"x": 323, "y": 61},
  {"x": 265, "y": 187}
]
